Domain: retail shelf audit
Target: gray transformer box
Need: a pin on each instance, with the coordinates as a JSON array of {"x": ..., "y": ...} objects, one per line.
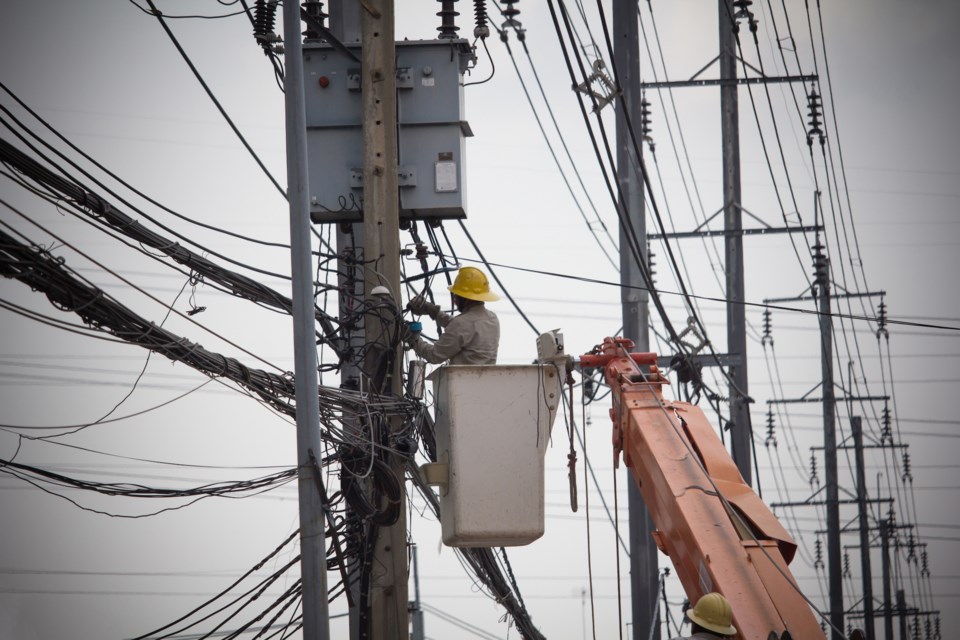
[{"x": 432, "y": 130}]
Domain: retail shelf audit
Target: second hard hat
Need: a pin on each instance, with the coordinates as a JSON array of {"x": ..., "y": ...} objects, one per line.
[
  {"x": 472, "y": 284},
  {"x": 713, "y": 613}
]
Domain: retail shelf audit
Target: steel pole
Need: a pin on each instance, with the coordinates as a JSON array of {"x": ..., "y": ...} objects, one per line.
[
  {"x": 856, "y": 425},
  {"x": 313, "y": 564},
  {"x": 887, "y": 580},
  {"x": 634, "y": 300},
  {"x": 733, "y": 246},
  {"x": 834, "y": 552}
]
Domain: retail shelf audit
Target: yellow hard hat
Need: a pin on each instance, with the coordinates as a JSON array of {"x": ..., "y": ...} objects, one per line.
[
  {"x": 472, "y": 284},
  {"x": 713, "y": 613}
]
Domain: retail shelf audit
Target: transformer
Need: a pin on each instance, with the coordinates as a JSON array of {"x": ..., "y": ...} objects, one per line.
[{"x": 431, "y": 129}]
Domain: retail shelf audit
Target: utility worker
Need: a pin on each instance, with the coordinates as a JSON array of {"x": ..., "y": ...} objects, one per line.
[
  {"x": 711, "y": 618},
  {"x": 472, "y": 336}
]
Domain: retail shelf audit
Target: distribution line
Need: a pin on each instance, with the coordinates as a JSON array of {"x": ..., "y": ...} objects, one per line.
[{"x": 758, "y": 305}]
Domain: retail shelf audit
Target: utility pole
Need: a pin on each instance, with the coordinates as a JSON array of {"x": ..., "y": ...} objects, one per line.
[
  {"x": 856, "y": 425},
  {"x": 902, "y": 612},
  {"x": 345, "y": 26},
  {"x": 381, "y": 237},
  {"x": 415, "y": 609},
  {"x": 313, "y": 552},
  {"x": 834, "y": 559},
  {"x": 644, "y": 570},
  {"x": 732, "y": 209},
  {"x": 887, "y": 595},
  {"x": 733, "y": 245}
]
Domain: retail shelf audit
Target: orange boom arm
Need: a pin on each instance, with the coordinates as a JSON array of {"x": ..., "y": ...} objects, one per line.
[{"x": 717, "y": 532}]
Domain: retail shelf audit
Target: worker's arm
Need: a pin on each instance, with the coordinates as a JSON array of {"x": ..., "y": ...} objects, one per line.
[
  {"x": 420, "y": 306},
  {"x": 450, "y": 344}
]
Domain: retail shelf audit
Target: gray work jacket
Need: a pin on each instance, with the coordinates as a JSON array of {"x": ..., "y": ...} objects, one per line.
[{"x": 471, "y": 337}]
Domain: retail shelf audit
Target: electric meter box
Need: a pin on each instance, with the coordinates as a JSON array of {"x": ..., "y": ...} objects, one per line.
[
  {"x": 431, "y": 124},
  {"x": 493, "y": 425}
]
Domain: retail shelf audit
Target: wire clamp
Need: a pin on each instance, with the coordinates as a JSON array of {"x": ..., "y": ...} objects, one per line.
[{"x": 608, "y": 90}]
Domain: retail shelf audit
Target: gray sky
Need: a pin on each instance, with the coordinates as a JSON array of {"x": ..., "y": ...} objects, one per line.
[{"x": 106, "y": 76}]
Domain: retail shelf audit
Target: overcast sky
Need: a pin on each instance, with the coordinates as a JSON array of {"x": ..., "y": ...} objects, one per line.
[{"x": 106, "y": 76}]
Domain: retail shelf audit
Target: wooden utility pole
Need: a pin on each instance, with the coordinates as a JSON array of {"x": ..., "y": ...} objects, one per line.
[
  {"x": 634, "y": 298},
  {"x": 381, "y": 237},
  {"x": 313, "y": 550}
]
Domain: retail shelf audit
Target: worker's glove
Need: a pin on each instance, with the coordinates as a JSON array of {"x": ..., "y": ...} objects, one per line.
[
  {"x": 409, "y": 332},
  {"x": 420, "y": 306}
]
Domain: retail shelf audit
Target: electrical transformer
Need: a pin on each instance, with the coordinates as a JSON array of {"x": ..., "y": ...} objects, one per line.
[{"x": 431, "y": 129}]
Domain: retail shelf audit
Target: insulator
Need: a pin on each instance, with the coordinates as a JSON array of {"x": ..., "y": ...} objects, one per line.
[
  {"x": 651, "y": 265},
  {"x": 846, "y": 564},
  {"x": 823, "y": 626},
  {"x": 448, "y": 20},
  {"x": 818, "y": 554},
  {"x": 907, "y": 475},
  {"x": 815, "y": 131},
  {"x": 480, "y": 29},
  {"x": 911, "y": 548},
  {"x": 511, "y": 22},
  {"x": 264, "y": 21},
  {"x": 742, "y": 13},
  {"x": 916, "y": 627},
  {"x": 936, "y": 628},
  {"x": 814, "y": 478},
  {"x": 924, "y": 563},
  {"x": 885, "y": 433},
  {"x": 767, "y": 327},
  {"x": 927, "y": 624},
  {"x": 314, "y": 9},
  {"x": 821, "y": 271},
  {"x": 260, "y": 18},
  {"x": 771, "y": 430},
  {"x": 882, "y": 320},
  {"x": 645, "y": 127}
]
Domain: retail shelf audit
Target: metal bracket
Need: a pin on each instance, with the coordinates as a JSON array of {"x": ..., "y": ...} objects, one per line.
[
  {"x": 599, "y": 75},
  {"x": 406, "y": 176},
  {"x": 435, "y": 474}
]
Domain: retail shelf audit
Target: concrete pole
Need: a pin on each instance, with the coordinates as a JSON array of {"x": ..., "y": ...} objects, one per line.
[
  {"x": 856, "y": 425},
  {"x": 313, "y": 562},
  {"x": 733, "y": 246},
  {"x": 381, "y": 237},
  {"x": 634, "y": 298}
]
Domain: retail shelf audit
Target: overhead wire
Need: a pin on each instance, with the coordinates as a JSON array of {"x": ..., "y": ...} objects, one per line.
[
  {"x": 127, "y": 185},
  {"x": 183, "y": 54},
  {"x": 562, "y": 139},
  {"x": 758, "y": 305},
  {"x": 159, "y": 15},
  {"x": 628, "y": 228},
  {"x": 92, "y": 205},
  {"x": 830, "y": 166}
]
